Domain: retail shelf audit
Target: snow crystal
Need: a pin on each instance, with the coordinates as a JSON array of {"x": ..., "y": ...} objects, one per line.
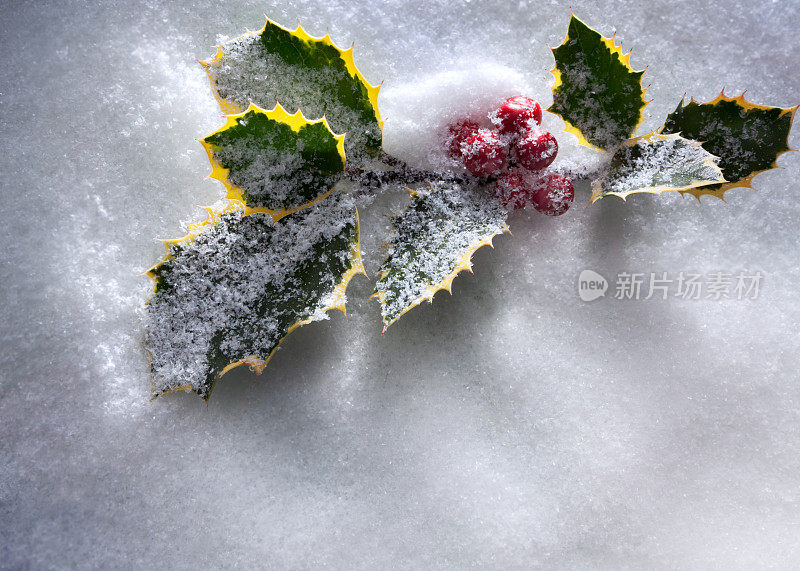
[{"x": 419, "y": 114}]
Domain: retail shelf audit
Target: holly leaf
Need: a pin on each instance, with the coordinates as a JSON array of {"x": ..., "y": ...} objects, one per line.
[
  {"x": 275, "y": 162},
  {"x": 747, "y": 138},
  {"x": 229, "y": 292},
  {"x": 434, "y": 240},
  {"x": 596, "y": 92},
  {"x": 299, "y": 71},
  {"x": 657, "y": 163}
]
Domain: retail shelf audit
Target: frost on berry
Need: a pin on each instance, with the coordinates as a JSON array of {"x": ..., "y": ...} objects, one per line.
[
  {"x": 484, "y": 153},
  {"x": 517, "y": 115},
  {"x": 512, "y": 187},
  {"x": 536, "y": 149},
  {"x": 553, "y": 195},
  {"x": 458, "y": 134}
]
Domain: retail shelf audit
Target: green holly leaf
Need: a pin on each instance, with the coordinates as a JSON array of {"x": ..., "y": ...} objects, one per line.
[
  {"x": 229, "y": 292},
  {"x": 657, "y": 163},
  {"x": 434, "y": 240},
  {"x": 747, "y": 138},
  {"x": 596, "y": 92},
  {"x": 274, "y": 161},
  {"x": 303, "y": 72}
]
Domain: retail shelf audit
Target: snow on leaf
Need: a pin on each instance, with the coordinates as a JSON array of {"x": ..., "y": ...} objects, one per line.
[
  {"x": 229, "y": 292},
  {"x": 434, "y": 240},
  {"x": 747, "y": 138},
  {"x": 299, "y": 71},
  {"x": 274, "y": 161},
  {"x": 596, "y": 92},
  {"x": 657, "y": 163}
]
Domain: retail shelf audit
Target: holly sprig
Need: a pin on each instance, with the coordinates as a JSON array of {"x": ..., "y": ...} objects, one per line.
[
  {"x": 601, "y": 100},
  {"x": 280, "y": 250}
]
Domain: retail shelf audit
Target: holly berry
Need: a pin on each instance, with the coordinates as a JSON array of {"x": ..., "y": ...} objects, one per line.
[
  {"x": 513, "y": 188},
  {"x": 484, "y": 154},
  {"x": 459, "y": 133},
  {"x": 516, "y": 115},
  {"x": 553, "y": 195},
  {"x": 536, "y": 149}
]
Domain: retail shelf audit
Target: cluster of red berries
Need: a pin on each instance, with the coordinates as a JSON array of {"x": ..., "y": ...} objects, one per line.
[{"x": 514, "y": 152}]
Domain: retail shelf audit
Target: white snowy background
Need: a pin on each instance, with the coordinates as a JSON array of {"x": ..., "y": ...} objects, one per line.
[{"x": 510, "y": 425}]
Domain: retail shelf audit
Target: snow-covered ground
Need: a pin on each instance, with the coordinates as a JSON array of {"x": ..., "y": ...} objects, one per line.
[{"x": 510, "y": 425}]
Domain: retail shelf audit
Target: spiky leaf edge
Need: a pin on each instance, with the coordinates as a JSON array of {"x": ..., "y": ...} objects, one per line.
[
  {"x": 744, "y": 182},
  {"x": 464, "y": 264},
  {"x": 229, "y": 108},
  {"x": 709, "y": 161},
  {"x": 336, "y": 299},
  {"x": 625, "y": 59},
  {"x": 279, "y": 114}
]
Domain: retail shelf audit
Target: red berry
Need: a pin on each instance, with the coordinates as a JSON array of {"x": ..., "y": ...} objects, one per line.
[
  {"x": 553, "y": 195},
  {"x": 536, "y": 149},
  {"x": 516, "y": 115},
  {"x": 513, "y": 188},
  {"x": 484, "y": 153},
  {"x": 459, "y": 133}
]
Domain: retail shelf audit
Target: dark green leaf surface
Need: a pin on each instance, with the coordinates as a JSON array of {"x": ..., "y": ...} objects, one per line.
[
  {"x": 747, "y": 138},
  {"x": 596, "y": 92},
  {"x": 273, "y": 165}
]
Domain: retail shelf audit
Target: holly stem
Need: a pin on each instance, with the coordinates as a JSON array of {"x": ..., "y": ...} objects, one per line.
[{"x": 399, "y": 172}]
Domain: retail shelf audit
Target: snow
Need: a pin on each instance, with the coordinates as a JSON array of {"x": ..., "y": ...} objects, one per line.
[
  {"x": 418, "y": 123},
  {"x": 509, "y": 425}
]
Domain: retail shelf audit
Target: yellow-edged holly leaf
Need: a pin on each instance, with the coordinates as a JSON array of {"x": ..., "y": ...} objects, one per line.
[
  {"x": 434, "y": 240},
  {"x": 274, "y": 161},
  {"x": 229, "y": 292},
  {"x": 596, "y": 92},
  {"x": 657, "y": 163},
  {"x": 299, "y": 71},
  {"x": 747, "y": 138}
]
